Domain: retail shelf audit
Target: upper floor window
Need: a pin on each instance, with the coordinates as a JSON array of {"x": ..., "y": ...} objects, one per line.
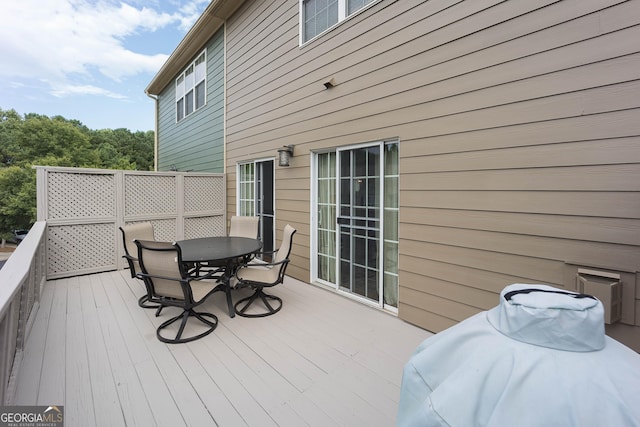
[
  {"x": 319, "y": 15},
  {"x": 191, "y": 87}
]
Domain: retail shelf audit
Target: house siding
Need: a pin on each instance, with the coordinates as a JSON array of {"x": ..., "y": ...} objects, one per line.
[
  {"x": 196, "y": 143},
  {"x": 519, "y": 132}
]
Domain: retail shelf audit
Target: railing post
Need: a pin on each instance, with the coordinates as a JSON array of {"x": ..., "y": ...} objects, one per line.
[
  {"x": 180, "y": 206},
  {"x": 42, "y": 195},
  {"x": 120, "y": 206}
]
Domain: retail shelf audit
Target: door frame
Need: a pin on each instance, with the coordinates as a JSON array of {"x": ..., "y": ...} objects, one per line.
[
  {"x": 256, "y": 192},
  {"x": 313, "y": 250}
]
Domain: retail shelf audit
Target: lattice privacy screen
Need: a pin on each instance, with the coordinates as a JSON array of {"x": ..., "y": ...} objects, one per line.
[
  {"x": 84, "y": 208},
  {"x": 80, "y": 247},
  {"x": 204, "y": 227},
  {"x": 80, "y": 195},
  {"x": 150, "y": 195},
  {"x": 202, "y": 194}
]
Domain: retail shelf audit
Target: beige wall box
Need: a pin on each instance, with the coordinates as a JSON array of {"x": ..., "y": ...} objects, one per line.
[{"x": 605, "y": 286}]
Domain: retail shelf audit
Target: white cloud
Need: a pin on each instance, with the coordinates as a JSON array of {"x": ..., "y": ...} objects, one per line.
[
  {"x": 62, "y": 90},
  {"x": 73, "y": 44},
  {"x": 190, "y": 13}
]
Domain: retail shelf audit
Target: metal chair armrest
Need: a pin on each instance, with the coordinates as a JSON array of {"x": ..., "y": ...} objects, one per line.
[
  {"x": 132, "y": 267},
  {"x": 262, "y": 264},
  {"x": 266, "y": 252},
  {"x": 153, "y": 276},
  {"x": 209, "y": 275}
]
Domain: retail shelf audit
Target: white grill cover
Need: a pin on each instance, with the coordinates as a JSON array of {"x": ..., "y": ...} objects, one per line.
[{"x": 540, "y": 358}]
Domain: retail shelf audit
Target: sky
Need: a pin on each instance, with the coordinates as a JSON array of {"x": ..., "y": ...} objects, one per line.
[{"x": 89, "y": 60}]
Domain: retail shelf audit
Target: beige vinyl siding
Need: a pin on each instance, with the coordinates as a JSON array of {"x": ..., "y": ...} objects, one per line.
[
  {"x": 196, "y": 143},
  {"x": 519, "y": 130}
]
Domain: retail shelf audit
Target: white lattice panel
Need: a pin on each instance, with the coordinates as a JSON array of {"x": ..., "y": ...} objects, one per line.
[
  {"x": 164, "y": 230},
  {"x": 204, "y": 227},
  {"x": 149, "y": 195},
  {"x": 80, "y": 247},
  {"x": 80, "y": 205},
  {"x": 204, "y": 193},
  {"x": 79, "y": 195}
]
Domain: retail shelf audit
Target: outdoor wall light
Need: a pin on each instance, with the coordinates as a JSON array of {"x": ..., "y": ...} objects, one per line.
[{"x": 284, "y": 154}]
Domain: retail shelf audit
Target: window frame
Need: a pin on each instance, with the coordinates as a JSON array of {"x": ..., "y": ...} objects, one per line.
[
  {"x": 343, "y": 16},
  {"x": 186, "y": 87}
]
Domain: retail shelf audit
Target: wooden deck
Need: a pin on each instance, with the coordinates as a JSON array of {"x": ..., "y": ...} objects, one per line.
[{"x": 323, "y": 360}]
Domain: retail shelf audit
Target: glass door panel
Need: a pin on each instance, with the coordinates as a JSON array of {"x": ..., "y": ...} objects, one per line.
[
  {"x": 326, "y": 217},
  {"x": 264, "y": 203},
  {"x": 359, "y": 222}
]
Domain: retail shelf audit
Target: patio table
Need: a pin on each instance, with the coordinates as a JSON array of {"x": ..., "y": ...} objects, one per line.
[{"x": 226, "y": 252}]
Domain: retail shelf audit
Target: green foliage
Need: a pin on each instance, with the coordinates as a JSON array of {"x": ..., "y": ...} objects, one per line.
[
  {"x": 55, "y": 141},
  {"x": 17, "y": 199},
  {"x": 120, "y": 144}
]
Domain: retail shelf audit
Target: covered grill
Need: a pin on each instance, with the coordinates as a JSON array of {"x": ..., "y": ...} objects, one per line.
[{"x": 540, "y": 358}]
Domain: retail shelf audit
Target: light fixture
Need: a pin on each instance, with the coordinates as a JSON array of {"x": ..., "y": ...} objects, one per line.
[
  {"x": 329, "y": 83},
  {"x": 284, "y": 154}
]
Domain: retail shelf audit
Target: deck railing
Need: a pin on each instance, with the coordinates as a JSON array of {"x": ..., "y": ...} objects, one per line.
[{"x": 21, "y": 281}]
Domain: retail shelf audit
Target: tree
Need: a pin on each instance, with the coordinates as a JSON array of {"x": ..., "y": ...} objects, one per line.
[
  {"x": 17, "y": 199},
  {"x": 136, "y": 147},
  {"x": 36, "y": 139},
  {"x": 10, "y": 122},
  {"x": 40, "y": 136}
]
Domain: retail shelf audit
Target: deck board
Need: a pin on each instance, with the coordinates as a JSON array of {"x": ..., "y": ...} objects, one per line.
[
  {"x": 323, "y": 360},
  {"x": 133, "y": 402},
  {"x": 52, "y": 376},
  {"x": 103, "y": 386},
  {"x": 79, "y": 394}
]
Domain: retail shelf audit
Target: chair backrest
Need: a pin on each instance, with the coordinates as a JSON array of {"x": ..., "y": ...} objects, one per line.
[
  {"x": 132, "y": 232},
  {"x": 244, "y": 226},
  {"x": 275, "y": 273},
  {"x": 285, "y": 246},
  {"x": 161, "y": 260}
]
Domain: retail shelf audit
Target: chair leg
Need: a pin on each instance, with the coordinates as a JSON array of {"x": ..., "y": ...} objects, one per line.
[
  {"x": 265, "y": 298},
  {"x": 184, "y": 317},
  {"x": 143, "y": 302}
]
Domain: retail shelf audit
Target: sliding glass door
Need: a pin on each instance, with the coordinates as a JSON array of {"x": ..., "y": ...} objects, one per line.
[{"x": 357, "y": 221}]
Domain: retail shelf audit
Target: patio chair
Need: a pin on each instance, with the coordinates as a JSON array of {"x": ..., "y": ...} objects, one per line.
[
  {"x": 259, "y": 275},
  {"x": 130, "y": 233},
  {"x": 169, "y": 285},
  {"x": 244, "y": 226}
]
